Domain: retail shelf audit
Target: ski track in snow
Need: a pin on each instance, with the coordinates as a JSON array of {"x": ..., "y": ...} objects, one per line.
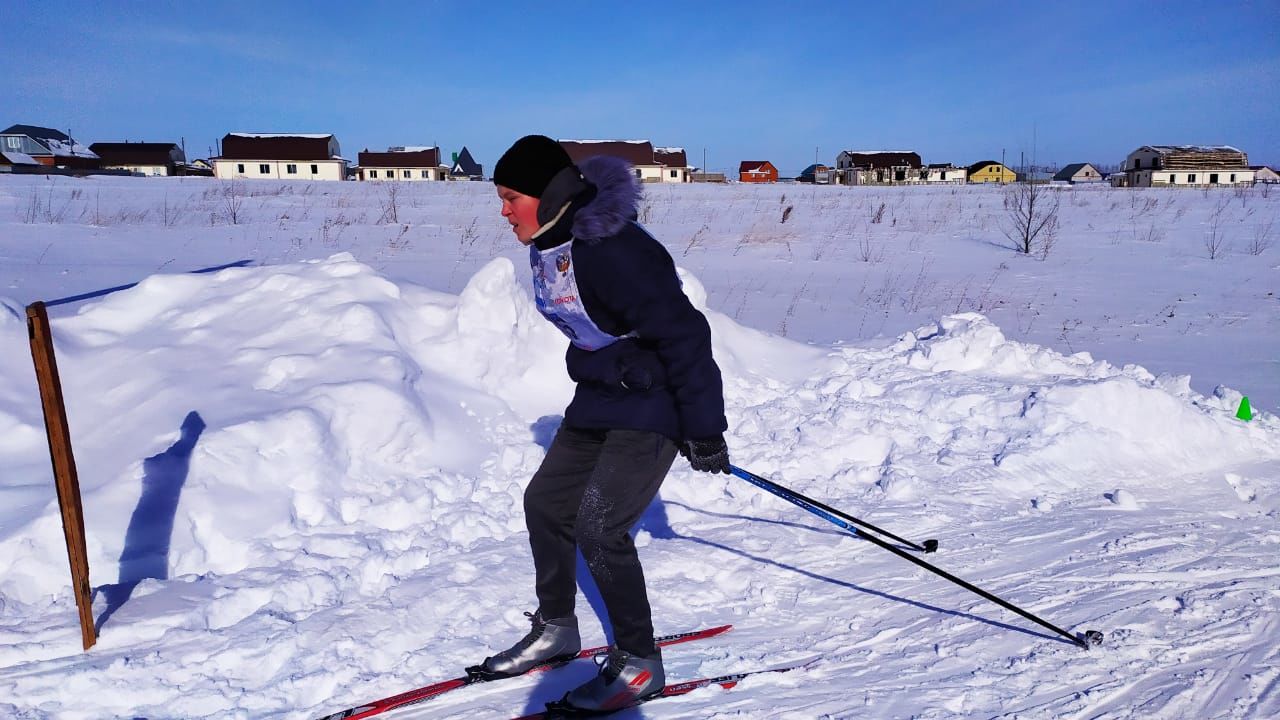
[{"x": 302, "y": 491}]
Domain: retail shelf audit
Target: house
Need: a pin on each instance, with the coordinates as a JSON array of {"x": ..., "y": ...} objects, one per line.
[
  {"x": 990, "y": 171},
  {"x": 675, "y": 164},
  {"x": 280, "y": 156},
  {"x": 142, "y": 158},
  {"x": 1193, "y": 165},
  {"x": 757, "y": 171},
  {"x": 651, "y": 164},
  {"x": 878, "y": 167},
  {"x": 944, "y": 174},
  {"x": 1079, "y": 173},
  {"x": 401, "y": 163},
  {"x": 197, "y": 168},
  {"x": 465, "y": 167},
  {"x": 817, "y": 174},
  {"x": 47, "y": 146},
  {"x": 1264, "y": 174}
]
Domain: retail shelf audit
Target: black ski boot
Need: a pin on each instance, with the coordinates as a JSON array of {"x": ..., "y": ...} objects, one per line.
[
  {"x": 549, "y": 641},
  {"x": 624, "y": 679}
]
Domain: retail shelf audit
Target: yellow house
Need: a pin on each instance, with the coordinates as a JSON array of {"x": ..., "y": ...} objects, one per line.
[{"x": 990, "y": 171}]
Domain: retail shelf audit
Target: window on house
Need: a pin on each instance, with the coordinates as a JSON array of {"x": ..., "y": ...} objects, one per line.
[
  {"x": 1191, "y": 178},
  {"x": 240, "y": 168},
  {"x": 1137, "y": 163},
  {"x": 291, "y": 169},
  {"x": 637, "y": 172},
  {"x": 426, "y": 174},
  {"x": 315, "y": 169},
  {"x": 1213, "y": 178},
  {"x": 264, "y": 169},
  {"x": 373, "y": 173},
  {"x": 675, "y": 174},
  {"x": 944, "y": 174},
  {"x": 408, "y": 174},
  {"x": 13, "y": 142},
  {"x": 1233, "y": 177}
]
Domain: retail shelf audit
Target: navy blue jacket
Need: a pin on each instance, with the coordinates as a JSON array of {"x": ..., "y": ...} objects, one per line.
[{"x": 664, "y": 379}]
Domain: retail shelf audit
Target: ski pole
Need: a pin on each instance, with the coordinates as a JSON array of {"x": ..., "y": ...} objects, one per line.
[
  {"x": 1084, "y": 640},
  {"x": 927, "y": 546}
]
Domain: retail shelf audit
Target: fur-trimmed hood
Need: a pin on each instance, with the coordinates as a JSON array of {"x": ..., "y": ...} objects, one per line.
[
  {"x": 590, "y": 202},
  {"x": 617, "y": 199}
]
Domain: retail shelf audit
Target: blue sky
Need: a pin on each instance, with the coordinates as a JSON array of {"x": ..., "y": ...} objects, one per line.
[{"x": 781, "y": 81}]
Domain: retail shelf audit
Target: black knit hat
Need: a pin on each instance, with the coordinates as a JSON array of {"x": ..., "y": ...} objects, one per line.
[{"x": 528, "y": 166}]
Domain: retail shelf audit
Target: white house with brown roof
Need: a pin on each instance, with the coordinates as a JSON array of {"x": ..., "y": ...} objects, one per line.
[
  {"x": 675, "y": 164},
  {"x": 406, "y": 164},
  {"x": 652, "y": 165},
  {"x": 142, "y": 158},
  {"x": 280, "y": 156},
  {"x": 1187, "y": 165}
]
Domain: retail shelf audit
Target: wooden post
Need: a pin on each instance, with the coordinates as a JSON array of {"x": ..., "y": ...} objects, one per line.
[{"x": 64, "y": 464}]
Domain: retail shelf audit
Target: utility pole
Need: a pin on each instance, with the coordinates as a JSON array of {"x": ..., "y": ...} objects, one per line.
[
  {"x": 704, "y": 164},
  {"x": 1001, "y": 166}
]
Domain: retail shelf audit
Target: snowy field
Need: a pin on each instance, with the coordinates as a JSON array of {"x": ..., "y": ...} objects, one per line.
[{"x": 302, "y": 477}]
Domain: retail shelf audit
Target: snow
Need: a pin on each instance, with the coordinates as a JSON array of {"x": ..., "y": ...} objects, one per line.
[
  {"x": 282, "y": 135},
  {"x": 62, "y": 148},
  {"x": 302, "y": 479}
]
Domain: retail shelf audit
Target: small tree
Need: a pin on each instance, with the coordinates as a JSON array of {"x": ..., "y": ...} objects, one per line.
[{"x": 1031, "y": 222}]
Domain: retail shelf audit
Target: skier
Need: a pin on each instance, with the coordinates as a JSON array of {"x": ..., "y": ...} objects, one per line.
[{"x": 647, "y": 388}]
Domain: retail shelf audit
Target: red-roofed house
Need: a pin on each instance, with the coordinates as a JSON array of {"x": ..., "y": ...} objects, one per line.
[{"x": 757, "y": 171}]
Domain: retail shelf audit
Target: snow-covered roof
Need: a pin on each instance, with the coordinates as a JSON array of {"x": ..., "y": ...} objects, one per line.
[
  {"x": 634, "y": 142},
  {"x": 411, "y": 148},
  {"x": 671, "y": 150},
  {"x": 282, "y": 135},
  {"x": 876, "y": 152},
  {"x": 17, "y": 158},
  {"x": 68, "y": 149},
  {"x": 1192, "y": 148}
]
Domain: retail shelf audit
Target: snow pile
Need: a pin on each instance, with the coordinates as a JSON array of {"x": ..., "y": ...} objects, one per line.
[{"x": 312, "y": 473}]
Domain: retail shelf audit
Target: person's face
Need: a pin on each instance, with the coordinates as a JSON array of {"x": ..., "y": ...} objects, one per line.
[{"x": 521, "y": 211}]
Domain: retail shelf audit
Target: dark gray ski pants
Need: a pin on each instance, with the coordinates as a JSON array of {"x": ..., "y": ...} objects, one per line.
[{"x": 593, "y": 485}]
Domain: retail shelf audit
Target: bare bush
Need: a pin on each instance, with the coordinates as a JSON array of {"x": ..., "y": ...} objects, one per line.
[
  {"x": 786, "y": 212},
  {"x": 331, "y": 230},
  {"x": 1263, "y": 237},
  {"x": 1152, "y": 234},
  {"x": 170, "y": 214},
  {"x": 33, "y": 207},
  {"x": 878, "y": 215},
  {"x": 869, "y": 251},
  {"x": 1215, "y": 239},
  {"x": 233, "y": 202},
  {"x": 390, "y": 202},
  {"x": 1031, "y": 217}
]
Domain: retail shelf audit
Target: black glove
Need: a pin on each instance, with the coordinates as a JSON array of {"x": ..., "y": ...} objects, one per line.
[{"x": 710, "y": 455}]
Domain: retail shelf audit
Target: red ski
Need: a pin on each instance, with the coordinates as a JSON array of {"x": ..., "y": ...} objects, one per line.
[
  {"x": 559, "y": 711},
  {"x": 423, "y": 694}
]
